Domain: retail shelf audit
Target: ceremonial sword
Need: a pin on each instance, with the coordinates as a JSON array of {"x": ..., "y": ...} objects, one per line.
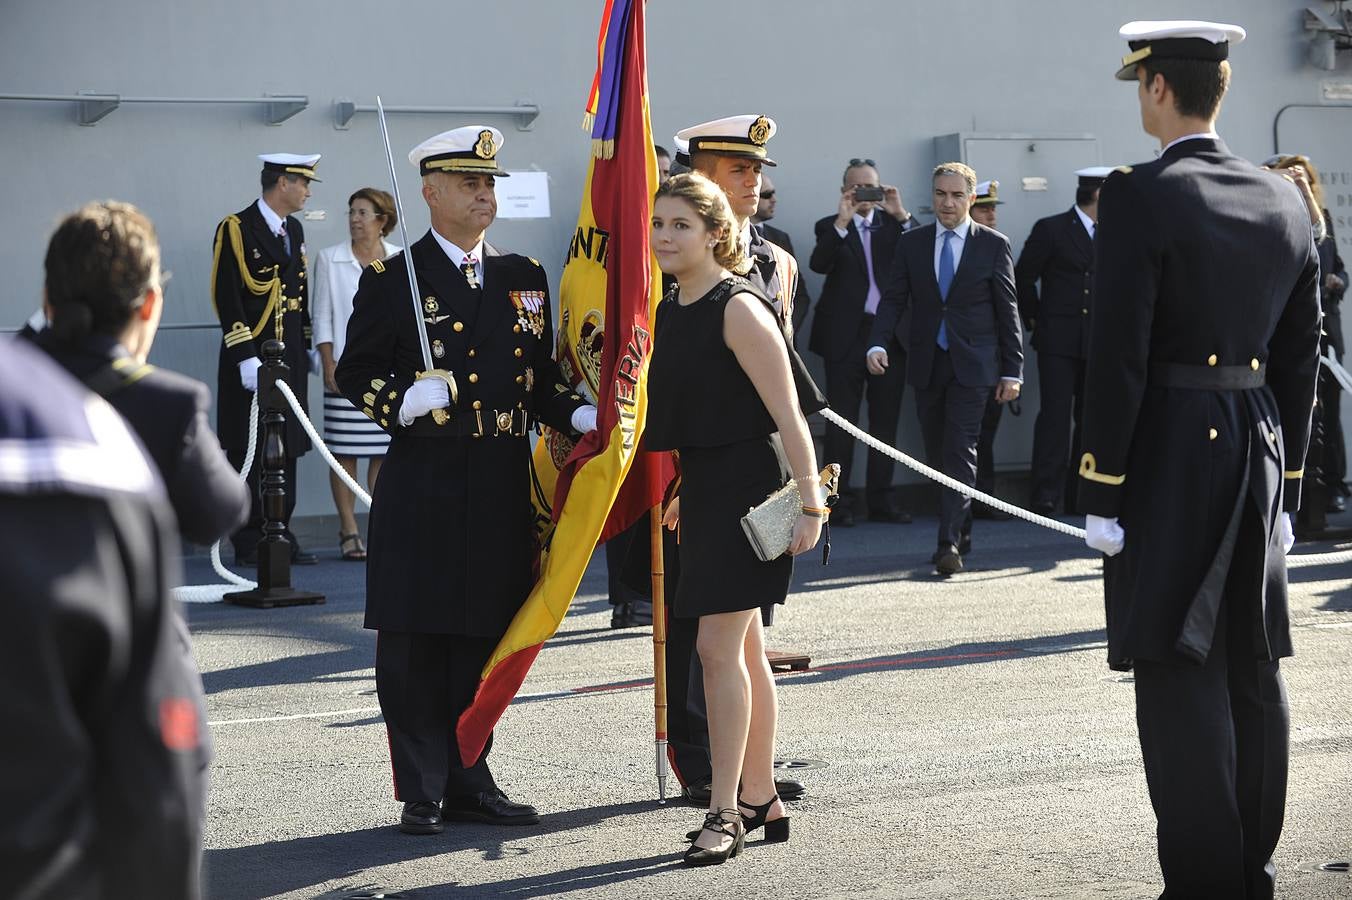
[{"x": 440, "y": 416}]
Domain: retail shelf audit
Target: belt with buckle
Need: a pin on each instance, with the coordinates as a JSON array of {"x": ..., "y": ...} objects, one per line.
[
  {"x": 1207, "y": 378},
  {"x": 479, "y": 423}
]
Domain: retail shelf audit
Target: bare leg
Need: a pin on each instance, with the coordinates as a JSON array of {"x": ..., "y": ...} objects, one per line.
[
  {"x": 343, "y": 498},
  {"x": 758, "y": 778},
  {"x": 727, "y": 691}
]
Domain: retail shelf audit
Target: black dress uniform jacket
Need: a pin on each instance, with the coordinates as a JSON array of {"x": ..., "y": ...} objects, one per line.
[
  {"x": 251, "y": 275},
  {"x": 169, "y": 414},
  {"x": 106, "y": 743},
  {"x": 985, "y": 340},
  {"x": 451, "y": 530},
  {"x": 840, "y": 309},
  {"x": 1060, "y": 254},
  {"x": 1206, "y": 271},
  {"x": 802, "y": 301}
]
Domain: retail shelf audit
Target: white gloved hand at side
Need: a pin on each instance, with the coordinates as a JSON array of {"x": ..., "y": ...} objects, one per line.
[
  {"x": 1288, "y": 533},
  {"x": 584, "y": 419},
  {"x": 423, "y": 397},
  {"x": 316, "y": 363},
  {"x": 1104, "y": 535},
  {"x": 248, "y": 373}
]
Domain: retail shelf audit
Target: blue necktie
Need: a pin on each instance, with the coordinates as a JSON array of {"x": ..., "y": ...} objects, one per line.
[{"x": 945, "y": 282}]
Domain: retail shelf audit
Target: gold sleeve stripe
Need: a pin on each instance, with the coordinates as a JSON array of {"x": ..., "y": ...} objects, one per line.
[
  {"x": 1089, "y": 470},
  {"x": 239, "y": 333},
  {"x": 1298, "y": 473},
  {"x": 368, "y": 398}
]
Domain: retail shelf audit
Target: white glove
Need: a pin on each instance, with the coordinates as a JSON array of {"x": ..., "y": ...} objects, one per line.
[
  {"x": 315, "y": 362},
  {"x": 584, "y": 419},
  {"x": 425, "y": 395},
  {"x": 248, "y": 373},
  {"x": 1104, "y": 535},
  {"x": 1288, "y": 533}
]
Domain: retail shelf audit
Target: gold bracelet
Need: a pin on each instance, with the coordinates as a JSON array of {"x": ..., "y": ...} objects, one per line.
[{"x": 816, "y": 512}]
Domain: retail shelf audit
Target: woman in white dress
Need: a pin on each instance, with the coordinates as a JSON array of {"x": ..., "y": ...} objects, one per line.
[{"x": 349, "y": 434}]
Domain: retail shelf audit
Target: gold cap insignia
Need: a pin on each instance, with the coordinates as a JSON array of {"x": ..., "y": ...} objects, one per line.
[
  {"x": 759, "y": 132},
  {"x": 484, "y": 149}
]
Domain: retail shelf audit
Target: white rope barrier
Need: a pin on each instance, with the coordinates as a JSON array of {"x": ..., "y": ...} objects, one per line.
[
  {"x": 319, "y": 444},
  {"x": 1293, "y": 561}
]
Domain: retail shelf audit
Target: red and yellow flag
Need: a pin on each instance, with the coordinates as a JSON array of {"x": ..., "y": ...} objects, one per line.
[{"x": 607, "y": 297}]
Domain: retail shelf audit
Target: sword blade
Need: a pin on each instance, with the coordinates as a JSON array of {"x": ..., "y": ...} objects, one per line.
[{"x": 408, "y": 248}]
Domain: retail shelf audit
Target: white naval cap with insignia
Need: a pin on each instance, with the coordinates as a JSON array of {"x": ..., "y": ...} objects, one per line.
[
  {"x": 1176, "y": 40},
  {"x": 291, "y": 163},
  {"x": 469, "y": 150},
  {"x": 1094, "y": 175},
  {"x": 987, "y": 194},
  {"x": 732, "y": 136}
]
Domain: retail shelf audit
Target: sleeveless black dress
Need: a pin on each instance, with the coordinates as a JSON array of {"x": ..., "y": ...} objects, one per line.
[{"x": 702, "y": 404}]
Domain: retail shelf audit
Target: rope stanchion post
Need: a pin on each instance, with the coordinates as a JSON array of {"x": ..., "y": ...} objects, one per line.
[{"x": 274, "y": 550}]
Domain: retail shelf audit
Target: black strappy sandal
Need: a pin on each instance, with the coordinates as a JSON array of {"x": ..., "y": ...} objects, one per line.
[{"x": 719, "y": 823}]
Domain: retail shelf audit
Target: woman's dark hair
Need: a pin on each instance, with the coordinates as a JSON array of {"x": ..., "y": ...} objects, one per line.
[
  {"x": 100, "y": 262},
  {"x": 711, "y": 205},
  {"x": 383, "y": 204}
]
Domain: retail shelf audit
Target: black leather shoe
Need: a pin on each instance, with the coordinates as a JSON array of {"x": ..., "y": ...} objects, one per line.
[
  {"x": 492, "y": 807},
  {"x": 698, "y": 794},
  {"x": 947, "y": 560},
  {"x": 420, "y": 817},
  {"x": 982, "y": 511},
  {"x": 301, "y": 557},
  {"x": 632, "y": 615},
  {"x": 889, "y": 514}
]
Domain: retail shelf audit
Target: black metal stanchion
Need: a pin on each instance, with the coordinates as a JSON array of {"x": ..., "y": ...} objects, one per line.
[{"x": 274, "y": 550}]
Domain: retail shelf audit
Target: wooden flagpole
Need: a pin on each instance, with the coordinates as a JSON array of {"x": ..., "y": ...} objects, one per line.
[{"x": 659, "y": 650}]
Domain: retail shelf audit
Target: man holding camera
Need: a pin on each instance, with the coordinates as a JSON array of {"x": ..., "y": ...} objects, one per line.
[{"x": 854, "y": 251}]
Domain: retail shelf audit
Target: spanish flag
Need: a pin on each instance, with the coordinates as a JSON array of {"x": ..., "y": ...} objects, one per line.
[{"x": 607, "y": 297}]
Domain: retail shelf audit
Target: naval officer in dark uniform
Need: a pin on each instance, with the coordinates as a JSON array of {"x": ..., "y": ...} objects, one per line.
[
  {"x": 451, "y": 526},
  {"x": 1202, "y": 366},
  {"x": 1055, "y": 281},
  {"x": 106, "y": 741},
  {"x": 259, "y": 292},
  {"x": 104, "y": 292}
]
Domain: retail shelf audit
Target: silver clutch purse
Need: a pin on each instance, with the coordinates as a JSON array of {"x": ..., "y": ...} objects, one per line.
[{"x": 769, "y": 524}]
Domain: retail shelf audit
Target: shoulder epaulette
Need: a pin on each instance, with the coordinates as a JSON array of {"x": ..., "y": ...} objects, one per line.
[
  {"x": 378, "y": 265},
  {"x": 535, "y": 262},
  {"x": 1125, "y": 170}
]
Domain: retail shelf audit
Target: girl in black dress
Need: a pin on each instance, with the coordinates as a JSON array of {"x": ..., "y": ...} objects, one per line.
[{"x": 723, "y": 382}]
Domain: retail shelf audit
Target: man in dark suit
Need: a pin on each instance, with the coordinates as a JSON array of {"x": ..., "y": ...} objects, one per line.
[
  {"x": 854, "y": 251},
  {"x": 259, "y": 292},
  {"x": 765, "y": 211},
  {"x": 985, "y": 211},
  {"x": 1203, "y": 357},
  {"x": 450, "y": 535},
  {"x": 1059, "y": 257},
  {"x": 956, "y": 278}
]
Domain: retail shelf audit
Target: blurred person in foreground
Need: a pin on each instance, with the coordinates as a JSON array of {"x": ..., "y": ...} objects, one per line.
[{"x": 106, "y": 741}]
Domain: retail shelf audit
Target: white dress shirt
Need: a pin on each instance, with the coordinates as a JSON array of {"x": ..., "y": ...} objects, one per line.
[
  {"x": 1209, "y": 135},
  {"x": 275, "y": 222},
  {"x": 860, "y": 222},
  {"x": 1087, "y": 222},
  {"x": 457, "y": 256},
  {"x": 333, "y": 283},
  {"x": 959, "y": 241}
]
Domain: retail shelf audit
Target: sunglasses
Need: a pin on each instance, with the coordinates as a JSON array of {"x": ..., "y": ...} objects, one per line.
[
  {"x": 767, "y": 195},
  {"x": 862, "y": 162}
]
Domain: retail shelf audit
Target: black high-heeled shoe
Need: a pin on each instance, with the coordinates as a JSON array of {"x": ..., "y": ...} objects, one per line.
[
  {"x": 776, "y": 830},
  {"x": 719, "y": 823}
]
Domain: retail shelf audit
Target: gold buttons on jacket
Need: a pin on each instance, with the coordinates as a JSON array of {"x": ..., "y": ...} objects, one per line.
[
  {"x": 459, "y": 326},
  {"x": 516, "y": 329},
  {"x": 471, "y": 354},
  {"x": 517, "y": 352},
  {"x": 1213, "y": 433},
  {"x": 477, "y": 404},
  {"x": 1084, "y": 312},
  {"x": 473, "y": 377},
  {"x": 1211, "y": 360},
  {"x": 1253, "y": 364},
  {"x": 521, "y": 379}
]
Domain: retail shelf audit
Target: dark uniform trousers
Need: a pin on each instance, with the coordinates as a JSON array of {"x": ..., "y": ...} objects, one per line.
[
  {"x": 420, "y": 678},
  {"x": 950, "y": 423},
  {"x": 848, "y": 382},
  {"x": 1220, "y": 805},
  {"x": 1054, "y": 446}
]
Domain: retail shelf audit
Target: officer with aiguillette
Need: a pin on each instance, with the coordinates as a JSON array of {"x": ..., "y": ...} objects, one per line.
[{"x": 450, "y": 535}]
